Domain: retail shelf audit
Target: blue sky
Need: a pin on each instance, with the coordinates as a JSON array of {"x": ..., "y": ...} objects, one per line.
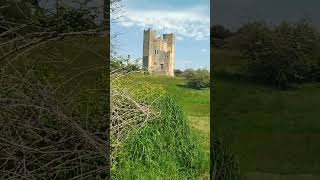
[{"x": 189, "y": 20}]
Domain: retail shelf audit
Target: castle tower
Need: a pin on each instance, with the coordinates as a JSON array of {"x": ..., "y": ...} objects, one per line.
[{"x": 158, "y": 53}]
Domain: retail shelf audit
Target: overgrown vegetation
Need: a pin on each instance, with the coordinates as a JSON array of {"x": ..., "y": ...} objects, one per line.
[
  {"x": 53, "y": 125},
  {"x": 150, "y": 135},
  {"x": 271, "y": 130},
  {"x": 199, "y": 78},
  {"x": 281, "y": 54},
  {"x": 178, "y": 72},
  {"x": 123, "y": 64},
  {"x": 196, "y": 107},
  {"x": 45, "y": 134}
]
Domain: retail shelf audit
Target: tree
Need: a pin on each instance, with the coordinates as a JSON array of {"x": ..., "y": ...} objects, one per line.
[
  {"x": 220, "y": 32},
  {"x": 197, "y": 79},
  {"x": 279, "y": 55},
  {"x": 177, "y": 72},
  {"x": 219, "y": 35}
]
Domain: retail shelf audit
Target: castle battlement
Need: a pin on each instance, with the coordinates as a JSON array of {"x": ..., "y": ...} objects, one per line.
[{"x": 158, "y": 53}]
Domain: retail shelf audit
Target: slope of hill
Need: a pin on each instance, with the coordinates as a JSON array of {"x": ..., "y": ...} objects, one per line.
[
  {"x": 194, "y": 103},
  {"x": 271, "y": 130},
  {"x": 165, "y": 147}
]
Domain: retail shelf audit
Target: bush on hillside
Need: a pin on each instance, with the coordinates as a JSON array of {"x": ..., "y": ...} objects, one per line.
[
  {"x": 150, "y": 135},
  {"x": 280, "y": 55},
  {"x": 197, "y": 79},
  {"x": 178, "y": 72},
  {"x": 122, "y": 64}
]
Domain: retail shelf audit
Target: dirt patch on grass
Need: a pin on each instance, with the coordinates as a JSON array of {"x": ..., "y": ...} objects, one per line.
[{"x": 201, "y": 123}]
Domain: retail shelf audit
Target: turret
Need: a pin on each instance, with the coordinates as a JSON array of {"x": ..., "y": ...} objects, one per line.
[
  {"x": 148, "y": 38},
  {"x": 169, "y": 38}
]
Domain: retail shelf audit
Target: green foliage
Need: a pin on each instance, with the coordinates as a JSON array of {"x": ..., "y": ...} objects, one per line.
[
  {"x": 194, "y": 102},
  {"x": 124, "y": 64},
  {"x": 143, "y": 92},
  {"x": 178, "y": 72},
  {"x": 72, "y": 19},
  {"x": 219, "y": 33},
  {"x": 197, "y": 79},
  {"x": 280, "y": 55},
  {"x": 164, "y": 149}
]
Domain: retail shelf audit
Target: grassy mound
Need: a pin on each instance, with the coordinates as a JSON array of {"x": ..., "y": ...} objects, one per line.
[{"x": 164, "y": 148}]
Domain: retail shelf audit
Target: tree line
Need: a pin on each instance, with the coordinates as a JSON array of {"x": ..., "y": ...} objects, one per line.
[{"x": 277, "y": 54}]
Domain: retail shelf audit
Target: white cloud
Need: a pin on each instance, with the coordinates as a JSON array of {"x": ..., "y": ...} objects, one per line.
[
  {"x": 179, "y": 38},
  {"x": 191, "y": 23},
  {"x": 127, "y": 23}
]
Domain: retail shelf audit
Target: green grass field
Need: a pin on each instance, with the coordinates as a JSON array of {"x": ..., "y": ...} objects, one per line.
[{"x": 270, "y": 130}]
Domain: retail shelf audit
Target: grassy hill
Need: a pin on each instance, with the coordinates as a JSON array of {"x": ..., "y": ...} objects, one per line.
[
  {"x": 195, "y": 105},
  {"x": 271, "y": 130}
]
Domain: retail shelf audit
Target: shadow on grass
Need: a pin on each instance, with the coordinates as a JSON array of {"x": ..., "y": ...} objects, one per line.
[
  {"x": 246, "y": 79},
  {"x": 189, "y": 87}
]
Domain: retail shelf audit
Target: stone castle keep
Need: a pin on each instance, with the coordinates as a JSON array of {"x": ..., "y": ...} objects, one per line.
[{"x": 158, "y": 53}]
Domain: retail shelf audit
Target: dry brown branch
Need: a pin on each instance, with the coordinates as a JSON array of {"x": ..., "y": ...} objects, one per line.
[
  {"x": 129, "y": 113},
  {"x": 40, "y": 139}
]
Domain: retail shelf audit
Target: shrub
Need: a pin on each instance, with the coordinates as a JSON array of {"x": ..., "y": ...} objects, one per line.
[
  {"x": 178, "y": 72},
  {"x": 282, "y": 54},
  {"x": 197, "y": 79},
  {"x": 124, "y": 65}
]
